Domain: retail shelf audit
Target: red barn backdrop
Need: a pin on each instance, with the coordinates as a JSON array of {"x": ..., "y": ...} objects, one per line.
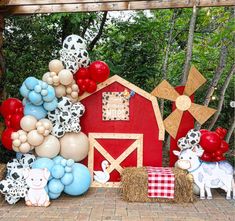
[{"x": 144, "y": 128}]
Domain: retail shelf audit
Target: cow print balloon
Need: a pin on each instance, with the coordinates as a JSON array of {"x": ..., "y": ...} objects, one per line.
[
  {"x": 74, "y": 42},
  {"x": 73, "y": 60},
  {"x": 14, "y": 186},
  {"x": 193, "y": 137},
  {"x": 66, "y": 118}
]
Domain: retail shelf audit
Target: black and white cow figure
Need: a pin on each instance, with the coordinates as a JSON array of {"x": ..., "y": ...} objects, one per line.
[{"x": 207, "y": 175}]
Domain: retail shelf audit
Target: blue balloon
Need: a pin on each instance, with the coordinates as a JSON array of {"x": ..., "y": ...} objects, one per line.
[
  {"x": 81, "y": 180},
  {"x": 24, "y": 91},
  {"x": 50, "y": 106},
  {"x": 67, "y": 179},
  {"x": 43, "y": 162},
  {"x": 57, "y": 171},
  {"x": 31, "y": 82},
  {"x": 53, "y": 196},
  {"x": 38, "y": 88},
  {"x": 43, "y": 84},
  {"x": 55, "y": 186},
  {"x": 34, "y": 97},
  {"x": 37, "y": 111},
  {"x": 57, "y": 159},
  {"x": 18, "y": 155},
  {"x": 50, "y": 94}
]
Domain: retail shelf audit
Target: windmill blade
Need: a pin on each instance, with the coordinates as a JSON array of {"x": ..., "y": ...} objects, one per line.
[
  {"x": 172, "y": 122},
  {"x": 195, "y": 80},
  {"x": 201, "y": 113},
  {"x": 166, "y": 91}
]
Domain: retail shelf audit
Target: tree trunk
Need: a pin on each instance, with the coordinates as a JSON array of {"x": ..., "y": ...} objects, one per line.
[
  {"x": 221, "y": 98},
  {"x": 189, "y": 46},
  {"x": 230, "y": 130},
  {"x": 218, "y": 73},
  {"x": 2, "y": 60},
  {"x": 167, "y": 51},
  {"x": 97, "y": 37}
]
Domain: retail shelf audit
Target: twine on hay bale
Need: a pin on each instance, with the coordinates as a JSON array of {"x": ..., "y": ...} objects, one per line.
[{"x": 134, "y": 186}]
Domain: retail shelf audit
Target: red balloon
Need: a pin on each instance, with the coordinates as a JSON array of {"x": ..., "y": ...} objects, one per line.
[
  {"x": 210, "y": 141},
  {"x": 203, "y": 131},
  {"x": 6, "y": 138},
  {"x": 224, "y": 147},
  {"x": 83, "y": 87},
  {"x": 10, "y": 105},
  {"x": 99, "y": 71},
  {"x": 221, "y": 132},
  {"x": 206, "y": 157},
  {"x": 82, "y": 73},
  {"x": 91, "y": 88},
  {"x": 219, "y": 158},
  {"x": 15, "y": 121},
  {"x": 86, "y": 82},
  {"x": 218, "y": 153},
  {"x": 80, "y": 82}
]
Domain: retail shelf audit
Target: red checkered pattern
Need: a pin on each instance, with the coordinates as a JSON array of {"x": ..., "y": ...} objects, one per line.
[{"x": 161, "y": 182}]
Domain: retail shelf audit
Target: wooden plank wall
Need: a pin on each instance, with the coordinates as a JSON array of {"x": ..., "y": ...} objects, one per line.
[{"x": 48, "y": 6}]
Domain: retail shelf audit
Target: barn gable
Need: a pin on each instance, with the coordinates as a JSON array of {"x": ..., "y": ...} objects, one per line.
[{"x": 137, "y": 90}]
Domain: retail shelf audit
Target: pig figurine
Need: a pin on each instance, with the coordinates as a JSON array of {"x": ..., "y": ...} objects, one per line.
[
  {"x": 37, "y": 179},
  {"x": 207, "y": 175}
]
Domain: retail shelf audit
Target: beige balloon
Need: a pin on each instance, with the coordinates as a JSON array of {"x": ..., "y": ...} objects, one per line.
[
  {"x": 60, "y": 91},
  {"x": 34, "y": 138},
  {"x": 49, "y": 148},
  {"x": 74, "y": 146},
  {"x": 45, "y": 76},
  {"x": 28, "y": 123},
  {"x": 56, "y": 66},
  {"x": 24, "y": 148},
  {"x": 46, "y": 123},
  {"x": 66, "y": 77}
]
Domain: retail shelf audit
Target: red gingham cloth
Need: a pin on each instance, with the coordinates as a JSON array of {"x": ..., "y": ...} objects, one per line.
[{"x": 161, "y": 182}]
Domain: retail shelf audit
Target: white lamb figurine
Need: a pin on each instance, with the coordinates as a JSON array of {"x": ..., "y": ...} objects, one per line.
[{"x": 37, "y": 179}]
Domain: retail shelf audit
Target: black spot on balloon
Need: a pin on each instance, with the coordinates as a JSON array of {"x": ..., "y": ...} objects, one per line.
[
  {"x": 73, "y": 47},
  {"x": 66, "y": 46}
]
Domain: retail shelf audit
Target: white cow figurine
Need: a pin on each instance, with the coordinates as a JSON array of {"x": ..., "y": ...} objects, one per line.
[{"x": 207, "y": 175}]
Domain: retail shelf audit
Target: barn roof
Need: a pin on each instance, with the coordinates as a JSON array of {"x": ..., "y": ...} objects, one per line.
[
  {"x": 24, "y": 7},
  {"x": 139, "y": 91}
]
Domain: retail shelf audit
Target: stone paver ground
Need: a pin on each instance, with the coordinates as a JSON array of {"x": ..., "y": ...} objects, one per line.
[{"x": 106, "y": 204}]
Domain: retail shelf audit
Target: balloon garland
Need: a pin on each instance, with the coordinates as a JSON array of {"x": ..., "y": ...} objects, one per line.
[
  {"x": 46, "y": 122},
  {"x": 210, "y": 144}
]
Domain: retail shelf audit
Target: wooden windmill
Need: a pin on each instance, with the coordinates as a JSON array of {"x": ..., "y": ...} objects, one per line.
[{"x": 183, "y": 102}]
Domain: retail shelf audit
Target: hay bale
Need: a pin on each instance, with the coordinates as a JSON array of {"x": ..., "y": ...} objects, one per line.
[{"x": 134, "y": 186}]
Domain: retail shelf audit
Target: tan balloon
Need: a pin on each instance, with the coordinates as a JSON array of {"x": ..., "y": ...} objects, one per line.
[
  {"x": 46, "y": 123},
  {"x": 56, "y": 66},
  {"x": 60, "y": 91},
  {"x": 66, "y": 77},
  {"x": 34, "y": 138},
  {"x": 28, "y": 123},
  {"x": 49, "y": 148},
  {"x": 24, "y": 148},
  {"x": 45, "y": 76},
  {"x": 74, "y": 146}
]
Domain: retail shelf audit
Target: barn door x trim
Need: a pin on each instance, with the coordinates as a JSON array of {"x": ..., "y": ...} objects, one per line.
[{"x": 114, "y": 163}]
